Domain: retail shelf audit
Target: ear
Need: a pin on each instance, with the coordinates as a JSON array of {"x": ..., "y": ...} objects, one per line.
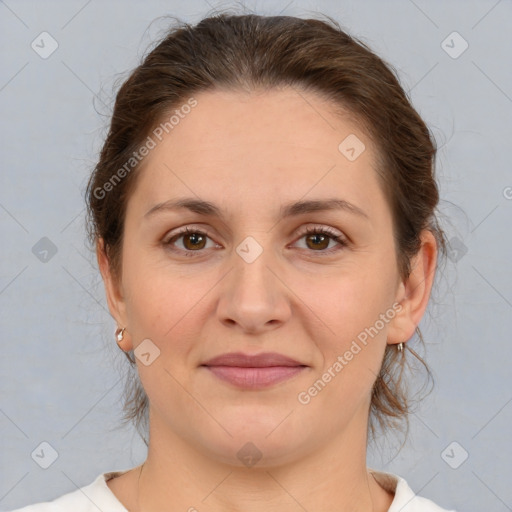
[
  {"x": 413, "y": 294},
  {"x": 113, "y": 290}
]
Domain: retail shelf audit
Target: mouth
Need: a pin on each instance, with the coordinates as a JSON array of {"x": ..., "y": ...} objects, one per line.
[{"x": 254, "y": 371}]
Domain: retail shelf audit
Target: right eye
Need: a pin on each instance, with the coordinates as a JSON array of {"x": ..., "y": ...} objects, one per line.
[{"x": 194, "y": 240}]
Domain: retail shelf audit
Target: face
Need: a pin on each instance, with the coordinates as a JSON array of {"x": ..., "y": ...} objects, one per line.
[{"x": 249, "y": 278}]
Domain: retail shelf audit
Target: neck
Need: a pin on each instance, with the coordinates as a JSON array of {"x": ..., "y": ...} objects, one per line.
[{"x": 331, "y": 476}]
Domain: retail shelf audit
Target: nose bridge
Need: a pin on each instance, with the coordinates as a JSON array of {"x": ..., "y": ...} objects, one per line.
[
  {"x": 251, "y": 275},
  {"x": 252, "y": 295}
]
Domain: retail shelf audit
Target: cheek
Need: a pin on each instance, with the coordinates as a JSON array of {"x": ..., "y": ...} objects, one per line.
[
  {"x": 351, "y": 300},
  {"x": 351, "y": 352},
  {"x": 355, "y": 310},
  {"x": 164, "y": 306}
]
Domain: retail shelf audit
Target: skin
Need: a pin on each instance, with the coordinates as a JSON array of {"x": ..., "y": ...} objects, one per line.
[{"x": 250, "y": 153}]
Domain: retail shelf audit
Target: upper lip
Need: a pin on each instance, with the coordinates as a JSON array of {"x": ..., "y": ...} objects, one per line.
[{"x": 240, "y": 359}]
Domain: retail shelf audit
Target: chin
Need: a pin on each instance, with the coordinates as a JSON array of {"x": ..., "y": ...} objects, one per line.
[
  {"x": 256, "y": 439},
  {"x": 256, "y": 451}
]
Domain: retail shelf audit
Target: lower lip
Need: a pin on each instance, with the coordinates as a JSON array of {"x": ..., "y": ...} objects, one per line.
[{"x": 255, "y": 378}]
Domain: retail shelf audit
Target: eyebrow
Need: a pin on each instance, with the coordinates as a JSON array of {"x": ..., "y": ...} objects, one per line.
[{"x": 292, "y": 209}]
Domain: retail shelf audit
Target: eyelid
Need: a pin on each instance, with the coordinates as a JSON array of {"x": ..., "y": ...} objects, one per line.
[
  {"x": 319, "y": 228},
  {"x": 189, "y": 228}
]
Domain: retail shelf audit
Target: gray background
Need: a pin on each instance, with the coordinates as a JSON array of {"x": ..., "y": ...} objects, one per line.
[{"x": 61, "y": 371}]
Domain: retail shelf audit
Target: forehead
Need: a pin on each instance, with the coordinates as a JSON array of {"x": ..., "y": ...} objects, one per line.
[
  {"x": 258, "y": 147},
  {"x": 284, "y": 116}
]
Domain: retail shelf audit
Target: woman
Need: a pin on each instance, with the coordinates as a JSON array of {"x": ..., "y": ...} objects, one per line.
[{"x": 263, "y": 211}]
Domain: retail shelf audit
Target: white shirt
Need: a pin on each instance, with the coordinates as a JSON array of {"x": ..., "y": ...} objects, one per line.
[{"x": 98, "y": 496}]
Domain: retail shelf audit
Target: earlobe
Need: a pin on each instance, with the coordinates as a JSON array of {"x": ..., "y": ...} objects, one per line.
[
  {"x": 115, "y": 299},
  {"x": 413, "y": 294}
]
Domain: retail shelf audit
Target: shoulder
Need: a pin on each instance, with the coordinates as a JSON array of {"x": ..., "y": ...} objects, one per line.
[
  {"x": 405, "y": 499},
  {"x": 91, "y": 498}
]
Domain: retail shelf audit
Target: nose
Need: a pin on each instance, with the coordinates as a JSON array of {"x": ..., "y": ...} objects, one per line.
[{"x": 253, "y": 295}]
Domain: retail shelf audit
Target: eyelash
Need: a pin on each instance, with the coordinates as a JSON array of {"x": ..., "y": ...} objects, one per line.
[{"x": 309, "y": 231}]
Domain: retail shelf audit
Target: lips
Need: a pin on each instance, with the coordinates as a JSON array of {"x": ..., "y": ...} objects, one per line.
[
  {"x": 253, "y": 371},
  {"x": 252, "y": 361}
]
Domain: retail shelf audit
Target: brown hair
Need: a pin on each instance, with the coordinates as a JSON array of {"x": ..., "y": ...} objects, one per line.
[{"x": 249, "y": 52}]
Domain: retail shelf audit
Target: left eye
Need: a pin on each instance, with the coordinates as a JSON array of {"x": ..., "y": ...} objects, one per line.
[{"x": 317, "y": 239}]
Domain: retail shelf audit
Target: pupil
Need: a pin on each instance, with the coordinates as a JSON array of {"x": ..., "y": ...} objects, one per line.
[
  {"x": 194, "y": 238},
  {"x": 318, "y": 238}
]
